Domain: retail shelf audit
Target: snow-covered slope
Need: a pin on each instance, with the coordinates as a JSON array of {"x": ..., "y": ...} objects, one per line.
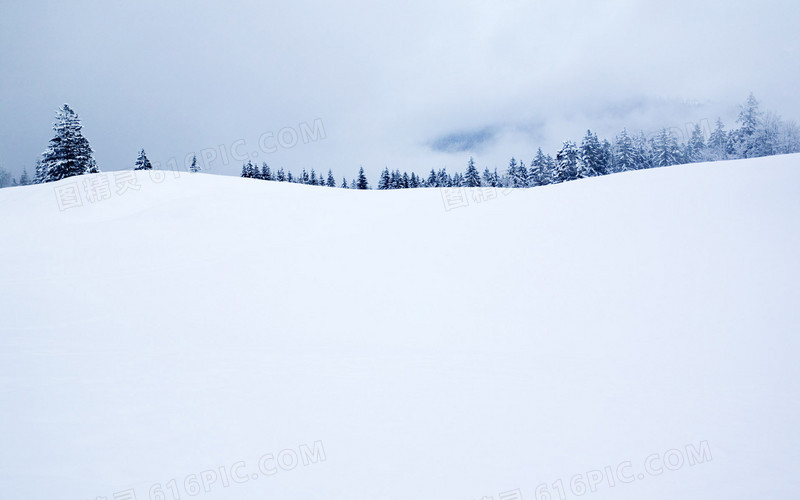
[{"x": 632, "y": 336}]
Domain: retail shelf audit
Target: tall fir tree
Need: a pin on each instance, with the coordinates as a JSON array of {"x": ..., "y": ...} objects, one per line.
[
  {"x": 472, "y": 178},
  {"x": 69, "y": 152},
  {"x": 194, "y": 167},
  {"x": 330, "y": 182},
  {"x": 566, "y": 163},
  {"x": 362, "y": 183}
]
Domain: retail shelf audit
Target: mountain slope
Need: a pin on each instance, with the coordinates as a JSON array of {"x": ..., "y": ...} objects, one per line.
[{"x": 391, "y": 348}]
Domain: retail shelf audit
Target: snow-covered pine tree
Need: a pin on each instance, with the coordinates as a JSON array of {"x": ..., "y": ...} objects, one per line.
[
  {"x": 643, "y": 153},
  {"x": 362, "y": 179},
  {"x": 511, "y": 173},
  {"x": 280, "y": 176},
  {"x": 330, "y": 182},
  {"x": 69, "y": 152},
  {"x": 472, "y": 178},
  {"x": 665, "y": 149},
  {"x": 24, "y": 180},
  {"x": 443, "y": 179},
  {"x": 312, "y": 179},
  {"x": 590, "y": 157},
  {"x": 566, "y": 163},
  {"x": 266, "y": 172},
  {"x": 746, "y": 138},
  {"x": 344, "y": 183},
  {"x": 432, "y": 179},
  {"x": 521, "y": 176},
  {"x": 194, "y": 167},
  {"x": 142, "y": 163},
  {"x": 696, "y": 147},
  {"x": 626, "y": 154},
  {"x": 383, "y": 182},
  {"x": 5, "y": 178},
  {"x": 718, "y": 141}
]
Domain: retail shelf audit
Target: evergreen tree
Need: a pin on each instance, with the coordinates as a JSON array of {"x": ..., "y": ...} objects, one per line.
[
  {"x": 142, "y": 163},
  {"x": 590, "y": 157},
  {"x": 443, "y": 179},
  {"x": 280, "y": 176},
  {"x": 344, "y": 183},
  {"x": 665, "y": 149},
  {"x": 521, "y": 176},
  {"x": 696, "y": 148},
  {"x": 266, "y": 173},
  {"x": 38, "y": 176},
  {"x": 746, "y": 138},
  {"x": 331, "y": 182},
  {"x": 313, "y": 178},
  {"x": 69, "y": 152},
  {"x": 566, "y": 163},
  {"x": 383, "y": 182},
  {"x": 718, "y": 142},
  {"x": 362, "y": 179},
  {"x": 194, "y": 167},
  {"x": 472, "y": 178},
  {"x": 540, "y": 173},
  {"x": 432, "y": 179},
  {"x": 511, "y": 173},
  {"x": 289, "y": 176},
  {"x": 642, "y": 152},
  {"x": 626, "y": 154},
  {"x": 5, "y": 178},
  {"x": 24, "y": 180}
]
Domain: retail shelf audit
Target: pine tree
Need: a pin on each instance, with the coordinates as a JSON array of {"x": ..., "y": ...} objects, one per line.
[
  {"x": 142, "y": 163},
  {"x": 443, "y": 178},
  {"x": 746, "y": 138},
  {"x": 511, "y": 173},
  {"x": 590, "y": 157},
  {"x": 626, "y": 154},
  {"x": 344, "y": 183},
  {"x": 69, "y": 152},
  {"x": 539, "y": 174},
  {"x": 521, "y": 176},
  {"x": 331, "y": 182},
  {"x": 38, "y": 175},
  {"x": 24, "y": 180},
  {"x": 488, "y": 178},
  {"x": 194, "y": 167},
  {"x": 567, "y": 163},
  {"x": 266, "y": 173},
  {"x": 281, "y": 176},
  {"x": 362, "y": 179},
  {"x": 5, "y": 178},
  {"x": 665, "y": 149},
  {"x": 313, "y": 178},
  {"x": 696, "y": 148},
  {"x": 383, "y": 182},
  {"x": 472, "y": 178},
  {"x": 642, "y": 152},
  {"x": 432, "y": 179}
]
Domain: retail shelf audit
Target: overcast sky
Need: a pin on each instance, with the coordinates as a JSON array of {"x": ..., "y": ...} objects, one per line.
[{"x": 409, "y": 85}]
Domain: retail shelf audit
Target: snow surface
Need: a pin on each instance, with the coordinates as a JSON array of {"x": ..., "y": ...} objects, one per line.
[{"x": 204, "y": 321}]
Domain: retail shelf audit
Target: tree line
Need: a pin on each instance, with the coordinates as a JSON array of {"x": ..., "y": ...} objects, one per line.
[{"x": 758, "y": 134}]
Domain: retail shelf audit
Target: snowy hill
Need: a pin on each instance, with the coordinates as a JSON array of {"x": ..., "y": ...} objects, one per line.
[{"x": 629, "y": 336}]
